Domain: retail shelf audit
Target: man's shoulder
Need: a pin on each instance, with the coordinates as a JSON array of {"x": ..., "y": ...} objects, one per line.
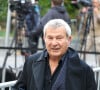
[
  {"x": 32, "y": 59},
  {"x": 35, "y": 56},
  {"x": 85, "y": 65},
  {"x": 77, "y": 61}
]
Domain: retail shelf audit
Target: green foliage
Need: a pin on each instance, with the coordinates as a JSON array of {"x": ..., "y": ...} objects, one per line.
[
  {"x": 2, "y": 33},
  {"x": 3, "y": 10},
  {"x": 45, "y": 5},
  {"x": 71, "y": 10}
]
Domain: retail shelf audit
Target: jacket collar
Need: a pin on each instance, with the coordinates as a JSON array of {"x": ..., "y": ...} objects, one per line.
[
  {"x": 38, "y": 67},
  {"x": 45, "y": 55}
]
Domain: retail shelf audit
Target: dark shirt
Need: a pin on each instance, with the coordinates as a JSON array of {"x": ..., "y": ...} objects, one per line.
[{"x": 50, "y": 79}]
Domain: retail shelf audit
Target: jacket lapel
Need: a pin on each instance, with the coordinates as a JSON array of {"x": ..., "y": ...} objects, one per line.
[
  {"x": 38, "y": 69},
  {"x": 74, "y": 74},
  {"x": 60, "y": 81}
]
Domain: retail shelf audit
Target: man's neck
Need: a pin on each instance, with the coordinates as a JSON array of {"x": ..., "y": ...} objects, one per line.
[{"x": 53, "y": 63}]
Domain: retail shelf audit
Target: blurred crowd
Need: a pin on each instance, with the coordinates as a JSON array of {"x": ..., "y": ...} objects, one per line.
[{"x": 88, "y": 24}]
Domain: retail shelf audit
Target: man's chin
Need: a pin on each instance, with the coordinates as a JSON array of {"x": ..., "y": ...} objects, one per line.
[{"x": 55, "y": 54}]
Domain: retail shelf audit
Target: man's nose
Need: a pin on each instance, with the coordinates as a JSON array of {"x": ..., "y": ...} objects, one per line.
[{"x": 54, "y": 42}]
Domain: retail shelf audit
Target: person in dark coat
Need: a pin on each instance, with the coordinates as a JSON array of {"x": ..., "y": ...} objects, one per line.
[
  {"x": 58, "y": 67},
  {"x": 57, "y": 11}
]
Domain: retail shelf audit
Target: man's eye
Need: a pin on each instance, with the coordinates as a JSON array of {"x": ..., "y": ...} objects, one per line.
[
  {"x": 59, "y": 38},
  {"x": 50, "y": 38}
]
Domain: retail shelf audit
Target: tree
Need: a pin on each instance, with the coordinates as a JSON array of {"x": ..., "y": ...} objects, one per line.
[
  {"x": 3, "y": 13},
  {"x": 3, "y": 10}
]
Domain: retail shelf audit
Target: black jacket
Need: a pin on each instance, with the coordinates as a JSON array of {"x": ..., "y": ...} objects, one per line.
[
  {"x": 79, "y": 75},
  {"x": 57, "y": 12}
]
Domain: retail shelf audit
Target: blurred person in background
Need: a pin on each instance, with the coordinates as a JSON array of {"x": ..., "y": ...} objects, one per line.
[
  {"x": 32, "y": 19},
  {"x": 93, "y": 38},
  {"x": 81, "y": 23}
]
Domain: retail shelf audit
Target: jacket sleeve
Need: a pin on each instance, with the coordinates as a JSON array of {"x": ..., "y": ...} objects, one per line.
[
  {"x": 90, "y": 82},
  {"x": 21, "y": 82}
]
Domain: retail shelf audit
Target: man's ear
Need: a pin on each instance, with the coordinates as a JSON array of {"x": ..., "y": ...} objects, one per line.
[
  {"x": 44, "y": 38},
  {"x": 70, "y": 39}
]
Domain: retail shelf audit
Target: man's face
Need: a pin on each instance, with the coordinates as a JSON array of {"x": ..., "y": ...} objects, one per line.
[{"x": 56, "y": 41}]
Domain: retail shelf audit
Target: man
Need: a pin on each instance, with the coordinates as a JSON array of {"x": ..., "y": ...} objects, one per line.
[
  {"x": 57, "y": 11},
  {"x": 58, "y": 67}
]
